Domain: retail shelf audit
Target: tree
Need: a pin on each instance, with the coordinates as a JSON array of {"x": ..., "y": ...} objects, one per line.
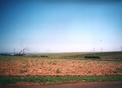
[{"x": 21, "y": 52}]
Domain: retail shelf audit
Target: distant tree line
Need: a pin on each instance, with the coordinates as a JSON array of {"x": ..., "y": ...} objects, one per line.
[{"x": 20, "y": 53}]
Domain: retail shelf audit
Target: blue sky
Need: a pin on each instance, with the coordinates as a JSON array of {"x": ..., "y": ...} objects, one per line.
[{"x": 60, "y": 27}]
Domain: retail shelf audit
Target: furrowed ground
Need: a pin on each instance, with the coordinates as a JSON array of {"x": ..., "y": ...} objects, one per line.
[{"x": 69, "y": 64}]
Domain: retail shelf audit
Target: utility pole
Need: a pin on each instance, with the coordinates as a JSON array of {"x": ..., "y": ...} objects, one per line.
[{"x": 93, "y": 49}]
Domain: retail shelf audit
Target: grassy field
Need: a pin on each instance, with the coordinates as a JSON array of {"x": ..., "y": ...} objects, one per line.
[
  {"x": 60, "y": 67},
  {"x": 71, "y": 55},
  {"x": 57, "y": 79}
]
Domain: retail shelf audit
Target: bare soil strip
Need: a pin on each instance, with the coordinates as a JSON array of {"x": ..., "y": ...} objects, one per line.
[
  {"x": 106, "y": 84},
  {"x": 20, "y": 67}
]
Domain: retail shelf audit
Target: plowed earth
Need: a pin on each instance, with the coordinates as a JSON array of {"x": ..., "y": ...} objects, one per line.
[{"x": 23, "y": 67}]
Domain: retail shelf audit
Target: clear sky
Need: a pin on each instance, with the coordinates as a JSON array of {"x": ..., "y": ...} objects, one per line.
[{"x": 60, "y": 27}]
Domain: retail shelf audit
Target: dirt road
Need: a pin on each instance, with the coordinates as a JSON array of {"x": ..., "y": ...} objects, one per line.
[{"x": 112, "y": 84}]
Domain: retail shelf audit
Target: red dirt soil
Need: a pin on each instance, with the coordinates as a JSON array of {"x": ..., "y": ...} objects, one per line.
[
  {"x": 105, "y": 84},
  {"x": 18, "y": 67}
]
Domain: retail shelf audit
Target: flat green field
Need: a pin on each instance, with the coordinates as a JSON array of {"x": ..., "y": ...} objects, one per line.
[{"x": 71, "y": 55}]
